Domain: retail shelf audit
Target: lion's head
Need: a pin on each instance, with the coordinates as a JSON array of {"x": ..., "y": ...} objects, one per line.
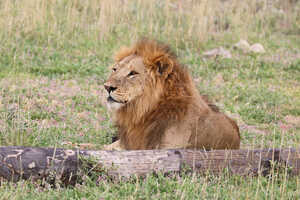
[
  {"x": 126, "y": 82},
  {"x": 140, "y": 75}
]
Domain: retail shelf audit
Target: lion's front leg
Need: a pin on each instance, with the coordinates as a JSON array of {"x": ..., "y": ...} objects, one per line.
[{"x": 114, "y": 146}]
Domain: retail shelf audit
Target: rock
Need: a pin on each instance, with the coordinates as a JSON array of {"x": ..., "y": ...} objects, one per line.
[
  {"x": 217, "y": 52},
  {"x": 257, "y": 48},
  {"x": 242, "y": 45},
  {"x": 246, "y": 48}
]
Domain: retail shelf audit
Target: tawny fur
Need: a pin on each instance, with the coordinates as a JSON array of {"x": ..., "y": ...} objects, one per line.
[{"x": 170, "y": 113}]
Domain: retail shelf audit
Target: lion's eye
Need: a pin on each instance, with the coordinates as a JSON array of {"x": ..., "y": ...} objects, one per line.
[
  {"x": 132, "y": 73},
  {"x": 114, "y": 69}
]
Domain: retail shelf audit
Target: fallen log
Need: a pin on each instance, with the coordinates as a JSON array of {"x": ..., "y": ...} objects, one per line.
[{"x": 63, "y": 164}]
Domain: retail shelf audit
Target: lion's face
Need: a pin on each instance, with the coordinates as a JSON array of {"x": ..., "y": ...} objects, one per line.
[{"x": 126, "y": 81}]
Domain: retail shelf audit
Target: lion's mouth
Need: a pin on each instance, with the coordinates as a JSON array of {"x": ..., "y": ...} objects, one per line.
[{"x": 112, "y": 100}]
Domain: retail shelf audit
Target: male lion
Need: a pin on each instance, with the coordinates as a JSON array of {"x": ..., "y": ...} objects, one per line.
[{"x": 156, "y": 105}]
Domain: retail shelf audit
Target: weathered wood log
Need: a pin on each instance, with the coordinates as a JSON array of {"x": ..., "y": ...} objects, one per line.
[{"x": 55, "y": 163}]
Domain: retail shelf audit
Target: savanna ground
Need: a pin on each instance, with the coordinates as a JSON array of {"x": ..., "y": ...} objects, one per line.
[{"x": 53, "y": 61}]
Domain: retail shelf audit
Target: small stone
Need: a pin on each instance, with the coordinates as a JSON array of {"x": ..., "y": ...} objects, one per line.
[
  {"x": 242, "y": 45},
  {"x": 257, "y": 48},
  {"x": 31, "y": 165},
  {"x": 217, "y": 52}
]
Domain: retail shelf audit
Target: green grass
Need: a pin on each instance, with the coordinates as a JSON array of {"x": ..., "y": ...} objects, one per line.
[
  {"x": 159, "y": 187},
  {"x": 54, "y": 57}
]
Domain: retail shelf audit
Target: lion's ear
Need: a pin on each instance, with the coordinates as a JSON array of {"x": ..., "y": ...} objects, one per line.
[{"x": 164, "y": 65}]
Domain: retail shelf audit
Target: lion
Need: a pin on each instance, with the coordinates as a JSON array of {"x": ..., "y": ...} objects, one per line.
[{"x": 156, "y": 105}]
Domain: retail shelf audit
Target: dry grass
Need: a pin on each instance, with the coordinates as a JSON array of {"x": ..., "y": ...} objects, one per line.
[{"x": 181, "y": 21}]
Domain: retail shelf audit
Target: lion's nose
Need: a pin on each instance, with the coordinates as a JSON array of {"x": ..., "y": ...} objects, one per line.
[{"x": 109, "y": 89}]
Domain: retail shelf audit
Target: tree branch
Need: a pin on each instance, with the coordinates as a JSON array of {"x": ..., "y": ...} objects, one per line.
[{"x": 55, "y": 163}]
